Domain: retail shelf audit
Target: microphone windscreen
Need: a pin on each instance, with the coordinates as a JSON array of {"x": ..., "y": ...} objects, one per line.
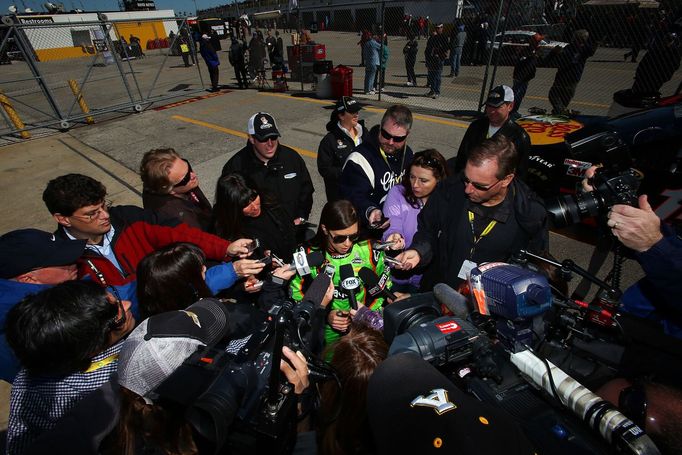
[
  {"x": 315, "y": 259},
  {"x": 371, "y": 281},
  {"x": 317, "y": 289},
  {"x": 346, "y": 271},
  {"x": 453, "y": 300}
]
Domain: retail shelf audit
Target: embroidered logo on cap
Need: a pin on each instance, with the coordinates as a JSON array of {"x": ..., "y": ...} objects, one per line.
[
  {"x": 438, "y": 401},
  {"x": 194, "y": 317},
  {"x": 264, "y": 123}
]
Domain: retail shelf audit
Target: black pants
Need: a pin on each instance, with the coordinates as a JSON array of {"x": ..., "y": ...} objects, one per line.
[
  {"x": 214, "y": 73},
  {"x": 241, "y": 75}
]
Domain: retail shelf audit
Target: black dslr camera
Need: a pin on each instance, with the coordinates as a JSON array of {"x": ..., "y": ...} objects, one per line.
[
  {"x": 242, "y": 403},
  {"x": 614, "y": 183}
]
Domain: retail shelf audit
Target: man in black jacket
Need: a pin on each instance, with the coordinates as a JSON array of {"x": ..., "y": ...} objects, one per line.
[
  {"x": 378, "y": 164},
  {"x": 435, "y": 54},
  {"x": 498, "y": 108},
  {"x": 484, "y": 214},
  {"x": 524, "y": 70},
  {"x": 275, "y": 168}
]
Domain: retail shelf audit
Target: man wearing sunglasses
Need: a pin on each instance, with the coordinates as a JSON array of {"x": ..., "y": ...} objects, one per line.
[
  {"x": 497, "y": 121},
  {"x": 67, "y": 339},
  {"x": 171, "y": 189},
  {"x": 119, "y": 237},
  {"x": 275, "y": 168},
  {"x": 377, "y": 164},
  {"x": 483, "y": 214}
]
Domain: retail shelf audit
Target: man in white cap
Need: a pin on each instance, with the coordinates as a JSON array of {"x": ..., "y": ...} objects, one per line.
[
  {"x": 274, "y": 168},
  {"x": 496, "y": 121}
]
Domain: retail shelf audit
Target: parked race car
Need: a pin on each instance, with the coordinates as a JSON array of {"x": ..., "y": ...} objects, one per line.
[
  {"x": 514, "y": 42},
  {"x": 564, "y": 147}
]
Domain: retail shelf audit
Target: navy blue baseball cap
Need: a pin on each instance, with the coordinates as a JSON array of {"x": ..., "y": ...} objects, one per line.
[{"x": 24, "y": 250}]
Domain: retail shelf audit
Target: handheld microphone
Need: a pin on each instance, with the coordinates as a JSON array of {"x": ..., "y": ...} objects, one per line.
[
  {"x": 349, "y": 283},
  {"x": 312, "y": 298},
  {"x": 452, "y": 300},
  {"x": 304, "y": 262},
  {"x": 598, "y": 413},
  {"x": 375, "y": 287}
]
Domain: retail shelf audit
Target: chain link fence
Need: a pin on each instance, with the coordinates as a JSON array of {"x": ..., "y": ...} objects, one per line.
[
  {"x": 581, "y": 53},
  {"x": 55, "y": 75}
]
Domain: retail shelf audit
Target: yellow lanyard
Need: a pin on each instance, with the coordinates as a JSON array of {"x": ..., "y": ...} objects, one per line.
[
  {"x": 94, "y": 366},
  {"x": 485, "y": 232}
]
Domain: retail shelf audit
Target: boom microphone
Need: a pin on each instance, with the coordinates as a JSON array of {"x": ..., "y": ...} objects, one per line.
[
  {"x": 350, "y": 284},
  {"x": 374, "y": 286},
  {"x": 452, "y": 300},
  {"x": 598, "y": 413}
]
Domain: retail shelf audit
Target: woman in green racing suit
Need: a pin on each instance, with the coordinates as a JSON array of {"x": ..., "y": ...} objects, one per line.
[{"x": 337, "y": 236}]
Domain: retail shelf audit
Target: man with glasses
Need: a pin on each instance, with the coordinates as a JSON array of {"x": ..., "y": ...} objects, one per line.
[
  {"x": 483, "y": 214},
  {"x": 171, "y": 189},
  {"x": 275, "y": 168},
  {"x": 67, "y": 339},
  {"x": 496, "y": 121},
  {"x": 377, "y": 164},
  {"x": 119, "y": 237}
]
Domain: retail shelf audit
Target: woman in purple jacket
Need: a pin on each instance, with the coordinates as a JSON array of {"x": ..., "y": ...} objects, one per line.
[{"x": 404, "y": 202}]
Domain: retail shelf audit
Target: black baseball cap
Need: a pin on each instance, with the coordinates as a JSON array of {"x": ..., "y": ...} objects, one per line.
[
  {"x": 24, "y": 250},
  {"x": 500, "y": 95},
  {"x": 262, "y": 125},
  {"x": 413, "y": 408},
  {"x": 348, "y": 104}
]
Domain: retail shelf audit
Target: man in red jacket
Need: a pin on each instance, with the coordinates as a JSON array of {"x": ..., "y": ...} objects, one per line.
[{"x": 119, "y": 237}]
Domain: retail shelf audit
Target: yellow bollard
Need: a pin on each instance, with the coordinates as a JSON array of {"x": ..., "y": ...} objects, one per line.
[
  {"x": 13, "y": 116},
  {"x": 81, "y": 102}
]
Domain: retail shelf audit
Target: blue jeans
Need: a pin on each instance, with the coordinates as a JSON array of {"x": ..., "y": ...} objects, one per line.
[
  {"x": 434, "y": 76},
  {"x": 455, "y": 60},
  {"x": 370, "y": 75}
]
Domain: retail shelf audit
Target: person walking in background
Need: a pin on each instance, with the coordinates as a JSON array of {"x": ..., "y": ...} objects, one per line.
[
  {"x": 410, "y": 53},
  {"x": 524, "y": 71},
  {"x": 636, "y": 34},
  {"x": 372, "y": 62},
  {"x": 212, "y": 62},
  {"x": 366, "y": 36},
  {"x": 381, "y": 77},
  {"x": 237, "y": 60},
  {"x": 457, "y": 40},
  {"x": 570, "y": 66},
  {"x": 215, "y": 41},
  {"x": 279, "y": 45},
  {"x": 436, "y": 52},
  {"x": 185, "y": 51}
]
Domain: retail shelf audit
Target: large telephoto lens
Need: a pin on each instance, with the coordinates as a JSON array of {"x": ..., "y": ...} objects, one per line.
[{"x": 570, "y": 209}]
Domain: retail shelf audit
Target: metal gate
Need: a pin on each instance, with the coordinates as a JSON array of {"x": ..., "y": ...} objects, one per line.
[{"x": 57, "y": 75}]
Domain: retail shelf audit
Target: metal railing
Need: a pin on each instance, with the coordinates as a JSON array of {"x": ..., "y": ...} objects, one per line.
[{"x": 57, "y": 75}]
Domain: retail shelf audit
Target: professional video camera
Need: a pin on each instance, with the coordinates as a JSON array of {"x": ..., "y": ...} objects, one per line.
[
  {"x": 614, "y": 183},
  {"x": 241, "y": 403},
  {"x": 491, "y": 353}
]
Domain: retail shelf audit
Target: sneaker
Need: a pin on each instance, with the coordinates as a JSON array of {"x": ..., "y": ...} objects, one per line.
[
  {"x": 431, "y": 93},
  {"x": 410, "y": 84},
  {"x": 435, "y": 95},
  {"x": 371, "y": 92}
]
